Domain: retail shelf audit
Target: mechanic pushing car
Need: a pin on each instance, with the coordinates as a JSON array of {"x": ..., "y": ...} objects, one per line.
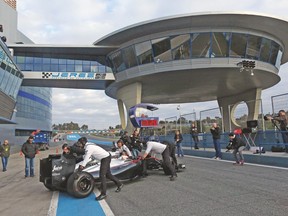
[
  {"x": 102, "y": 155},
  {"x": 162, "y": 149}
]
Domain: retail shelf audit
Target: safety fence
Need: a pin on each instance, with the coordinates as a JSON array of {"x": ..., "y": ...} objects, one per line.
[
  {"x": 264, "y": 133},
  {"x": 267, "y": 139},
  {"x": 209, "y": 116},
  {"x": 279, "y": 102},
  {"x": 170, "y": 125},
  {"x": 186, "y": 121}
]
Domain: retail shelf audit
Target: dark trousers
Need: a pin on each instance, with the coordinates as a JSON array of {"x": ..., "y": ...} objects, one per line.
[
  {"x": 173, "y": 154},
  {"x": 284, "y": 134},
  {"x": 196, "y": 140},
  {"x": 105, "y": 172},
  {"x": 167, "y": 162},
  {"x": 217, "y": 147}
]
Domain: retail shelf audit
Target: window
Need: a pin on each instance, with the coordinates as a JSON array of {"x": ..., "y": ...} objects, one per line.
[
  {"x": 220, "y": 44},
  {"x": 161, "y": 49},
  {"x": 238, "y": 45},
  {"x": 265, "y": 50},
  {"x": 144, "y": 52},
  {"x": 201, "y": 45},
  {"x": 253, "y": 47},
  {"x": 180, "y": 46},
  {"x": 274, "y": 52},
  {"x": 117, "y": 61},
  {"x": 129, "y": 57}
]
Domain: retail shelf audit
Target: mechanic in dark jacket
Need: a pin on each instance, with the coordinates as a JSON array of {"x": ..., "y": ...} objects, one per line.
[
  {"x": 136, "y": 144},
  {"x": 172, "y": 150},
  {"x": 215, "y": 131},
  {"x": 77, "y": 149},
  {"x": 126, "y": 139},
  {"x": 29, "y": 150},
  {"x": 238, "y": 145}
]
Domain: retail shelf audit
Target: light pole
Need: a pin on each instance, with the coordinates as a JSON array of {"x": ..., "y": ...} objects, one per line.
[{"x": 180, "y": 126}]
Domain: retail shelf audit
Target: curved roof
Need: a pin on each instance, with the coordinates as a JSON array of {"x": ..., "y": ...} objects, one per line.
[{"x": 274, "y": 26}]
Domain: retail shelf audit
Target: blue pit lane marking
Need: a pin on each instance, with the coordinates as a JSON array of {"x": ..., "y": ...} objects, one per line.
[{"x": 68, "y": 205}]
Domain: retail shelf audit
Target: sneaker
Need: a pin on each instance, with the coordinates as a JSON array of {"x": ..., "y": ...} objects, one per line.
[
  {"x": 236, "y": 163},
  {"x": 218, "y": 158},
  {"x": 242, "y": 162},
  {"x": 196, "y": 147},
  {"x": 32, "y": 176},
  {"x": 119, "y": 188},
  {"x": 172, "y": 178},
  {"x": 100, "y": 197}
]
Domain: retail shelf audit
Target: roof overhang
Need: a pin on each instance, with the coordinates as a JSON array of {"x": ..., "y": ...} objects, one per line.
[{"x": 270, "y": 25}]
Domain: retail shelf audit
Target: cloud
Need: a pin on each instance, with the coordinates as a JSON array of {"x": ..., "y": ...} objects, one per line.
[{"x": 83, "y": 22}]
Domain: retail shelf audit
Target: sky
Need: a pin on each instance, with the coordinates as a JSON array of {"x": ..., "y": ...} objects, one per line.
[{"x": 83, "y": 22}]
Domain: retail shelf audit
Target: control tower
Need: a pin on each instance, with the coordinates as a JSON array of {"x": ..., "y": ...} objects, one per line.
[{"x": 228, "y": 57}]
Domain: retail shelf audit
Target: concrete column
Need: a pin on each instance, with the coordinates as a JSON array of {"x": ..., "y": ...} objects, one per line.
[
  {"x": 128, "y": 96},
  {"x": 228, "y": 104}
]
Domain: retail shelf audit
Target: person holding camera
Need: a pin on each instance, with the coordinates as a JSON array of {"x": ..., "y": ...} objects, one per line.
[
  {"x": 238, "y": 145},
  {"x": 282, "y": 119},
  {"x": 216, "y": 135}
]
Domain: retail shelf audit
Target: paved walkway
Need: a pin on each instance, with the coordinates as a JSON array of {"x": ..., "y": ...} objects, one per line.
[{"x": 268, "y": 158}]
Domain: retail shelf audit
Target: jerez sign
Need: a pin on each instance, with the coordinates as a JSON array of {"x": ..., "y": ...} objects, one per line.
[{"x": 73, "y": 75}]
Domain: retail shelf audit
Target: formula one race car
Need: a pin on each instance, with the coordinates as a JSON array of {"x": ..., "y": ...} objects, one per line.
[{"x": 60, "y": 173}]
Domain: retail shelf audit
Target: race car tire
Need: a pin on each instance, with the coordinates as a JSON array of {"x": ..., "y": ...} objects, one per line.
[
  {"x": 80, "y": 184},
  {"x": 48, "y": 184}
]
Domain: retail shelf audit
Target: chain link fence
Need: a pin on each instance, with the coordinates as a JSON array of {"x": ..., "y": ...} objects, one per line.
[
  {"x": 209, "y": 116},
  {"x": 170, "y": 125},
  {"x": 279, "y": 102},
  {"x": 185, "y": 122}
]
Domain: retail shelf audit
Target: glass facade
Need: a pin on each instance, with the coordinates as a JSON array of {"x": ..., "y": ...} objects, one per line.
[
  {"x": 10, "y": 76},
  {"x": 26, "y": 63},
  {"x": 35, "y": 103},
  {"x": 197, "y": 45}
]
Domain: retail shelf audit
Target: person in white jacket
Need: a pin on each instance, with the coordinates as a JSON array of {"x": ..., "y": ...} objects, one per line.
[
  {"x": 162, "y": 149},
  {"x": 104, "y": 157}
]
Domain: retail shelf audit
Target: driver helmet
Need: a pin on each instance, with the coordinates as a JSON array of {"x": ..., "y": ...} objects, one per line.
[{"x": 83, "y": 140}]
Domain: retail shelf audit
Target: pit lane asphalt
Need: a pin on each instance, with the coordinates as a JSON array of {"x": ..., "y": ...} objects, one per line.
[{"x": 206, "y": 187}]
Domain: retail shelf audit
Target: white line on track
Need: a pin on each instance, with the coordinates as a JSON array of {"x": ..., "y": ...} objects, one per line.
[
  {"x": 53, "y": 204},
  {"x": 104, "y": 205},
  {"x": 250, "y": 164}
]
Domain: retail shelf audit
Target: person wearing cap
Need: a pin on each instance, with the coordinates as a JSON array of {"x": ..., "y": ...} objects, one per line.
[
  {"x": 95, "y": 151},
  {"x": 29, "y": 150},
  {"x": 283, "y": 122},
  {"x": 159, "y": 148},
  {"x": 238, "y": 145}
]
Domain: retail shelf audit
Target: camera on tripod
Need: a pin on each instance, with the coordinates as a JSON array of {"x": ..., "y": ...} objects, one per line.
[{"x": 270, "y": 117}]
